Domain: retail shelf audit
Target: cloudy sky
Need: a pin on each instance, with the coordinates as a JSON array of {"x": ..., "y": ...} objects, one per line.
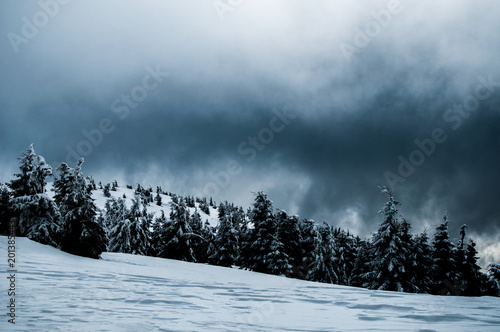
[{"x": 315, "y": 102}]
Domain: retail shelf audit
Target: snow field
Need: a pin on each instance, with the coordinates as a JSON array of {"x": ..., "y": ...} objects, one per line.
[{"x": 57, "y": 291}]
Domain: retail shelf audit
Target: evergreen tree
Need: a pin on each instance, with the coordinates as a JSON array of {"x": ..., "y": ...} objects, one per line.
[
  {"x": 266, "y": 252},
  {"x": 158, "y": 234},
  {"x": 472, "y": 276},
  {"x": 423, "y": 265},
  {"x": 289, "y": 235},
  {"x": 32, "y": 178},
  {"x": 82, "y": 235},
  {"x": 387, "y": 269},
  {"x": 308, "y": 239},
  {"x": 493, "y": 280},
  {"x": 39, "y": 219},
  {"x": 38, "y": 215},
  {"x": 323, "y": 267},
  {"x": 360, "y": 276},
  {"x": 198, "y": 241},
  {"x": 345, "y": 255},
  {"x": 106, "y": 191},
  {"x": 158, "y": 199},
  {"x": 6, "y": 211},
  {"x": 177, "y": 235},
  {"x": 444, "y": 259},
  {"x": 204, "y": 206},
  {"x": 225, "y": 250}
]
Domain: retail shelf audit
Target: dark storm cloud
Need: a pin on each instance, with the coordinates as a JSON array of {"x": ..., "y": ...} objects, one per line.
[{"x": 353, "y": 117}]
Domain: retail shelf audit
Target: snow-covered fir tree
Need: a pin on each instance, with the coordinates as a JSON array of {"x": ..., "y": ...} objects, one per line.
[
  {"x": 345, "y": 255},
  {"x": 177, "y": 235},
  {"x": 225, "y": 251},
  {"x": 444, "y": 258},
  {"x": 39, "y": 217},
  {"x": 81, "y": 234},
  {"x": 323, "y": 269},
  {"x": 289, "y": 235},
  {"x": 493, "y": 279},
  {"x": 308, "y": 239},
  {"x": 389, "y": 252},
  {"x": 6, "y": 211},
  {"x": 360, "y": 271},
  {"x": 32, "y": 178},
  {"x": 423, "y": 266},
  {"x": 265, "y": 253},
  {"x": 473, "y": 280},
  {"x": 199, "y": 244}
]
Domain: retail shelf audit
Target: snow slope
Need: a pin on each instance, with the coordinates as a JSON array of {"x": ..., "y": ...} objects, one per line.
[
  {"x": 100, "y": 201},
  {"x": 61, "y": 292}
]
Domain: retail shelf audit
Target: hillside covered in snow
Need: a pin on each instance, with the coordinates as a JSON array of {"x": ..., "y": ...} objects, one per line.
[{"x": 57, "y": 291}]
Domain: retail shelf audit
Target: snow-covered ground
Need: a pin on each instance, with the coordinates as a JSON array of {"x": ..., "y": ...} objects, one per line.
[
  {"x": 100, "y": 201},
  {"x": 56, "y": 291}
]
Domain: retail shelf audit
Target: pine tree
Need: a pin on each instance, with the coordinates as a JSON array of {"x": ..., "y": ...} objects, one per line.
[
  {"x": 493, "y": 280},
  {"x": 323, "y": 267},
  {"x": 106, "y": 191},
  {"x": 289, "y": 235},
  {"x": 225, "y": 251},
  {"x": 265, "y": 253},
  {"x": 82, "y": 235},
  {"x": 360, "y": 276},
  {"x": 203, "y": 205},
  {"x": 445, "y": 272},
  {"x": 177, "y": 235},
  {"x": 308, "y": 239},
  {"x": 198, "y": 241},
  {"x": 38, "y": 215},
  {"x": 32, "y": 178},
  {"x": 423, "y": 266},
  {"x": 158, "y": 199},
  {"x": 345, "y": 255},
  {"x": 6, "y": 211},
  {"x": 387, "y": 269},
  {"x": 39, "y": 219},
  {"x": 472, "y": 276},
  {"x": 157, "y": 236}
]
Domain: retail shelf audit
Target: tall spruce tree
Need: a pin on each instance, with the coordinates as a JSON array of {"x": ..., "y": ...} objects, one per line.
[
  {"x": 265, "y": 253},
  {"x": 225, "y": 252},
  {"x": 422, "y": 269},
  {"x": 6, "y": 210},
  {"x": 323, "y": 268},
  {"x": 308, "y": 239},
  {"x": 289, "y": 235},
  {"x": 474, "y": 280},
  {"x": 444, "y": 258},
  {"x": 177, "y": 235},
  {"x": 81, "y": 234},
  {"x": 345, "y": 255},
  {"x": 39, "y": 217},
  {"x": 387, "y": 269}
]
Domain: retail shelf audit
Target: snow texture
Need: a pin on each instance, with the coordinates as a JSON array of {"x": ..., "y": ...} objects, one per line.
[{"x": 57, "y": 291}]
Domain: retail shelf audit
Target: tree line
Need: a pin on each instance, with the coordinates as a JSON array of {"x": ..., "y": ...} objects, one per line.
[{"x": 261, "y": 239}]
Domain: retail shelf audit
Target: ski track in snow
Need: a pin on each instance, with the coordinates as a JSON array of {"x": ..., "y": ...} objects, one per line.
[{"x": 61, "y": 292}]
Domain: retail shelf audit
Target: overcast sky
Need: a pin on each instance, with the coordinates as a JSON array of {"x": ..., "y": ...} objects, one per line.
[{"x": 315, "y": 102}]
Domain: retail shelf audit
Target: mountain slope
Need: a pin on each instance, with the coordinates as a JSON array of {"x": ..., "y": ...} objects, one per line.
[{"x": 61, "y": 292}]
